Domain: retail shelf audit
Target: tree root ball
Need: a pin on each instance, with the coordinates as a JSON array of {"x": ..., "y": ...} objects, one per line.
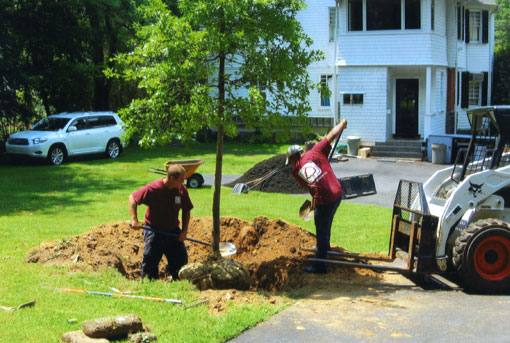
[{"x": 221, "y": 273}]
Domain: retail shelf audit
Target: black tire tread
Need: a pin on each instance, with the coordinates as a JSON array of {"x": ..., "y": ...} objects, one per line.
[{"x": 462, "y": 242}]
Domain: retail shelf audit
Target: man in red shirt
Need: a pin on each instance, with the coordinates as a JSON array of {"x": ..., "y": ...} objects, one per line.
[
  {"x": 164, "y": 199},
  {"x": 313, "y": 171}
]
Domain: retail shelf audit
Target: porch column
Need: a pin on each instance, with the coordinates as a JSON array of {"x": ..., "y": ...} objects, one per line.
[{"x": 427, "y": 122}]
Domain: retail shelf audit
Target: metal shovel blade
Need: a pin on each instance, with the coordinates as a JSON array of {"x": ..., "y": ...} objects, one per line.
[
  {"x": 306, "y": 211},
  {"x": 240, "y": 188},
  {"x": 227, "y": 249}
]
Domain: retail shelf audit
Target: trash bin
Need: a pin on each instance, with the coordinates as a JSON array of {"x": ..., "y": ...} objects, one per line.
[
  {"x": 438, "y": 153},
  {"x": 353, "y": 145}
]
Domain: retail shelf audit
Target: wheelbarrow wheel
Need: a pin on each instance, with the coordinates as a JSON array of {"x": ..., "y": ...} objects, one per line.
[{"x": 195, "y": 181}]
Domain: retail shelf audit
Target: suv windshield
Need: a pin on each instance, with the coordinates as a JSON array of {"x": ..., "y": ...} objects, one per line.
[{"x": 50, "y": 124}]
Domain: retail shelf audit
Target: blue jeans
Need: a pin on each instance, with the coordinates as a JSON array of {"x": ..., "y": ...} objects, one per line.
[
  {"x": 155, "y": 245},
  {"x": 323, "y": 217}
]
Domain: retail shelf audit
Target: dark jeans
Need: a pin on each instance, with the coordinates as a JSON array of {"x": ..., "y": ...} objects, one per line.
[
  {"x": 323, "y": 216},
  {"x": 155, "y": 245}
]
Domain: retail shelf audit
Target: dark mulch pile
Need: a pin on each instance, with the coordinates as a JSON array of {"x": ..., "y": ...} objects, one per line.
[{"x": 281, "y": 182}]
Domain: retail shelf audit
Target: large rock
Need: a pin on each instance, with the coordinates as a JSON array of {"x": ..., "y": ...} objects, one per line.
[
  {"x": 221, "y": 273},
  {"x": 80, "y": 337},
  {"x": 112, "y": 327}
]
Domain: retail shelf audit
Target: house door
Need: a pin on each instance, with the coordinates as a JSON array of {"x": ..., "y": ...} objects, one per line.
[{"x": 406, "y": 108}]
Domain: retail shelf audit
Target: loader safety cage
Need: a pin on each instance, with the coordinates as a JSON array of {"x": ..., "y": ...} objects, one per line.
[
  {"x": 489, "y": 147},
  {"x": 412, "y": 242}
]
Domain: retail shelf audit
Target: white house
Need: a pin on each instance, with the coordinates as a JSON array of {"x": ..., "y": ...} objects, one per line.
[{"x": 401, "y": 69}]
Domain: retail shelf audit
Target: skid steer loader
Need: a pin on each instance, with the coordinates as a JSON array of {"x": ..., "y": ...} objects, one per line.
[{"x": 459, "y": 219}]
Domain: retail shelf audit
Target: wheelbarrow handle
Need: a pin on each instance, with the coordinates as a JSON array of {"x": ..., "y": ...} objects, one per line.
[{"x": 148, "y": 228}]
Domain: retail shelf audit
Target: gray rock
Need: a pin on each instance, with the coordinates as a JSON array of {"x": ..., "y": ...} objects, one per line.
[
  {"x": 221, "y": 273},
  {"x": 112, "y": 326}
]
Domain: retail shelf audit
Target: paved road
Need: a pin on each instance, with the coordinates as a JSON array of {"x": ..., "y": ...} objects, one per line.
[
  {"x": 387, "y": 173},
  {"x": 393, "y": 309}
]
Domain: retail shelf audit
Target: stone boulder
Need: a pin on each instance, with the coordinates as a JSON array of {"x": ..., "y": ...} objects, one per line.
[
  {"x": 219, "y": 273},
  {"x": 110, "y": 327}
]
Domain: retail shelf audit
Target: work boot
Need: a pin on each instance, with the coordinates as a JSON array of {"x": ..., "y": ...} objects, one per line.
[{"x": 315, "y": 270}]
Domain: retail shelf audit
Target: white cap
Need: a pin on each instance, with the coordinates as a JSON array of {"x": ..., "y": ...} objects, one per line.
[{"x": 292, "y": 150}]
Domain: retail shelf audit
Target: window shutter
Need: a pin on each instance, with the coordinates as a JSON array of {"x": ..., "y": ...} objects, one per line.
[
  {"x": 459, "y": 22},
  {"x": 450, "y": 90},
  {"x": 485, "y": 88},
  {"x": 464, "y": 98},
  {"x": 466, "y": 25},
  {"x": 485, "y": 26}
]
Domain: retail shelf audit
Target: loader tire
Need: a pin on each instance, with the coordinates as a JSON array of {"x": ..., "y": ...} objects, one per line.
[{"x": 482, "y": 256}]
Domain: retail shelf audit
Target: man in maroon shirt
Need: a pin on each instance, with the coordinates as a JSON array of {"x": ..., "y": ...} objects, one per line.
[
  {"x": 164, "y": 199},
  {"x": 313, "y": 171}
]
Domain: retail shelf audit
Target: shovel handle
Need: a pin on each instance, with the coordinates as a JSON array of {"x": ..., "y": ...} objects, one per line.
[
  {"x": 148, "y": 228},
  {"x": 333, "y": 150}
]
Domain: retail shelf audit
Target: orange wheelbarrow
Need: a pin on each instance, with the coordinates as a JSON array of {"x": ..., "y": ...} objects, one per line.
[{"x": 193, "y": 180}]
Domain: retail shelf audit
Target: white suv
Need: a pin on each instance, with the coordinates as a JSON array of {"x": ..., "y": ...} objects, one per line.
[{"x": 68, "y": 134}]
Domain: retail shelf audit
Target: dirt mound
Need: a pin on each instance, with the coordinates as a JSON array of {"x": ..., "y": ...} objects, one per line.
[
  {"x": 281, "y": 182},
  {"x": 270, "y": 249}
]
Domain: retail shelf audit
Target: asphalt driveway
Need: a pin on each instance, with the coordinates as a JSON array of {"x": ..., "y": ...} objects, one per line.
[{"x": 393, "y": 309}]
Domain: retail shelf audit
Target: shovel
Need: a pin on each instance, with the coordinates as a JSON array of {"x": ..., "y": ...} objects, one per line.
[
  {"x": 306, "y": 210},
  {"x": 226, "y": 248},
  {"x": 246, "y": 187}
]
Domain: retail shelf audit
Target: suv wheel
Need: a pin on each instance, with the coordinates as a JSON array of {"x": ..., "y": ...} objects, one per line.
[
  {"x": 113, "y": 149},
  {"x": 56, "y": 155}
]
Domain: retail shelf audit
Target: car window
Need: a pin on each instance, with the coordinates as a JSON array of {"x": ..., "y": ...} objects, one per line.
[
  {"x": 80, "y": 123},
  {"x": 94, "y": 122},
  {"x": 101, "y": 121},
  {"x": 107, "y": 120},
  {"x": 50, "y": 124}
]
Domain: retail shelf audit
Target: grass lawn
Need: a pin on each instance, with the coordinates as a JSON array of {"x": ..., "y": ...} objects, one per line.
[{"x": 42, "y": 203}]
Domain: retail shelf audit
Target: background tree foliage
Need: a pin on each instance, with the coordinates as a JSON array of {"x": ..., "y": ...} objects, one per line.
[
  {"x": 501, "y": 84},
  {"x": 221, "y": 61},
  {"x": 53, "y": 53}
]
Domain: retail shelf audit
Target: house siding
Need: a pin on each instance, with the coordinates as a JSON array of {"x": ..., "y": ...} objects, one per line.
[
  {"x": 370, "y": 62},
  {"x": 378, "y": 49},
  {"x": 315, "y": 22},
  {"x": 367, "y": 121}
]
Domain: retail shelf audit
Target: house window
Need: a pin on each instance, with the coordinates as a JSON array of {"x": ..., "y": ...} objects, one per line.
[
  {"x": 353, "y": 99},
  {"x": 325, "y": 80},
  {"x": 383, "y": 14},
  {"x": 332, "y": 20},
  {"x": 474, "y": 93},
  {"x": 355, "y": 15},
  {"x": 474, "y": 26},
  {"x": 373, "y": 15},
  {"x": 432, "y": 13},
  {"x": 321, "y": 122},
  {"x": 412, "y": 14}
]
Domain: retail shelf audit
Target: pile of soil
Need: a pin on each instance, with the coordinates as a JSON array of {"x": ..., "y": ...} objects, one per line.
[
  {"x": 281, "y": 182},
  {"x": 270, "y": 249}
]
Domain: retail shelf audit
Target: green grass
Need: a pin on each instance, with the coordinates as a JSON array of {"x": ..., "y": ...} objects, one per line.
[{"x": 41, "y": 203}]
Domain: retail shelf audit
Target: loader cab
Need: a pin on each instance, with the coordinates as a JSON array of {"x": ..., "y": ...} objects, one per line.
[{"x": 489, "y": 147}]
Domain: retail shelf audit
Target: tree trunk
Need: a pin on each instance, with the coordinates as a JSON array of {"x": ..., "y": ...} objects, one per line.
[
  {"x": 217, "y": 192},
  {"x": 215, "y": 245}
]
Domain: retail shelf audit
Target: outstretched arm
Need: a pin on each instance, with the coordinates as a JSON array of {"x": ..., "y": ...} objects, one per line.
[
  {"x": 133, "y": 213},
  {"x": 337, "y": 131},
  {"x": 185, "y": 222}
]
